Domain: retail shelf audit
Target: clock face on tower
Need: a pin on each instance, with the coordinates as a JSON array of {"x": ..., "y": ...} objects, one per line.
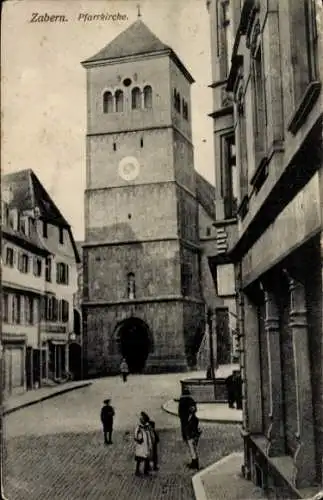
[{"x": 128, "y": 168}]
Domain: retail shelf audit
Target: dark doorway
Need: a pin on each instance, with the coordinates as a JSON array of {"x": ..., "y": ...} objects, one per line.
[
  {"x": 134, "y": 343},
  {"x": 77, "y": 322},
  {"x": 74, "y": 361}
]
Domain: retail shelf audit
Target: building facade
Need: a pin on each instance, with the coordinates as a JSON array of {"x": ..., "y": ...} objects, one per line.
[
  {"x": 142, "y": 258},
  {"x": 42, "y": 309},
  {"x": 272, "y": 81},
  {"x": 23, "y": 286}
]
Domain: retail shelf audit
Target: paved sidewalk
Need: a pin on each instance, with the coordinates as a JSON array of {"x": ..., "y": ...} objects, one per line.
[
  {"x": 223, "y": 481},
  {"x": 32, "y": 397},
  {"x": 209, "y": 412}
]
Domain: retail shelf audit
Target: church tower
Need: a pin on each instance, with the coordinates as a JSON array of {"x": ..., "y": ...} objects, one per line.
[{"x": 142, "y": 296}]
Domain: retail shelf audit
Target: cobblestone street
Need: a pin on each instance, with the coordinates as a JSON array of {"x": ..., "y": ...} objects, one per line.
[{"x": 54, "y": 450}]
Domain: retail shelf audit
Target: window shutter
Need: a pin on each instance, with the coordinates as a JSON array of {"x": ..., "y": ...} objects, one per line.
[
  {"x": 57, "y": 273},
  {"x": 67, "y": 276}
]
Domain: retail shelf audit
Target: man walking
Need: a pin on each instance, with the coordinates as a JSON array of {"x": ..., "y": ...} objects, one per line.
[
  {"x": 124, "y": 370},
  {"x": 230, "y": 383},
  {"x": 107, "y": 414}
]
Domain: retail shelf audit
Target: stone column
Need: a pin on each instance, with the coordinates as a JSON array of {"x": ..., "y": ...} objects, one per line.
[
  {"x": 252, "y": 367},
  {"x": 275, "y": 432},
  {"x": 304, "y": 458}
]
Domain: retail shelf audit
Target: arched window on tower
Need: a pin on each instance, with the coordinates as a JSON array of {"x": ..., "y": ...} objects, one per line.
[
  {"x": 136, "y": 98},
  {"x": 131, "y": 286},
  {"x": 119, "y": 101},
  {"x": 107, "y": 102},
  {"x": 174, "y": 97},
  {"x": 185, "y": 110},
  {"x": 178, "y": 103},
  {"x": 148, "y": 97}
]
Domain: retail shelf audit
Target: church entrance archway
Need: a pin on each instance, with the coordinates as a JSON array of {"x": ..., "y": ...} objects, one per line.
[{"x": 135, "y": 343}]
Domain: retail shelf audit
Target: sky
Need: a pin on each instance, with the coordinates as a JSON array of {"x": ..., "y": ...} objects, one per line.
[{"x": 43, "y": 92}]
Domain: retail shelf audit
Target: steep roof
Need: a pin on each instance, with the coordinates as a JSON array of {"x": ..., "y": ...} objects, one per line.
[
  {"x": 27, "y": 192},
  {"x": 136, "y": 40},
  {"x": 205, "y": 194}
]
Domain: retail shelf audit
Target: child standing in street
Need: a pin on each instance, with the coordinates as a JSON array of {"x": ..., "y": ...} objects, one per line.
[
  {"x": 107, "y": 414},
  {"x": 143, "y": 449}
]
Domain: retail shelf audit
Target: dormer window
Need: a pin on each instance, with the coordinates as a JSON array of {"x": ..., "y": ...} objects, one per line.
[
  {"x": 14, "y": 218},
  {"x": 107, "y": 102},
  {"x": 5, "y": 214},
  {"x": 24, "y": 225},
  {"x": 136, "y": 98},
  {"x": 148, "y": 97}
]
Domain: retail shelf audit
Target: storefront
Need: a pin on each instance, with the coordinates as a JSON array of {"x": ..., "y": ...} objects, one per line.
[{"x": 58, "y": 359}]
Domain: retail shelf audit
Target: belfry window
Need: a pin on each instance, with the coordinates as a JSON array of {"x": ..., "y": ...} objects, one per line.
[
  {"x": 107, "y": 102},
  {"x": 177, "y": 101},
  {"x": 148, "y": 97},
  {"x": 119, "y": 101},
  {"x": 131, "y": 286},
  {"x": 185, "y": 110},
  {"x": 136, "y": 98}
]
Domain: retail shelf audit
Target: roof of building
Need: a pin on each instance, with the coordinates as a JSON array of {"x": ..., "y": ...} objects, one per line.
[
  {"x": 136, "y": 40},
  {"x": 27, "y": 193},
  {"x": 205, "y": 194}
]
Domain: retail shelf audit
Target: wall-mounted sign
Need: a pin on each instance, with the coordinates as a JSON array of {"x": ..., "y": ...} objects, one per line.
[{"x": 225, "y": 280}]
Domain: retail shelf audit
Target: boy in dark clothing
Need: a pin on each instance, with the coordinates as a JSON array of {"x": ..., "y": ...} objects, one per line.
[
  {"x": 107, "y": 414},
  {"x": 185, "y": 403}
]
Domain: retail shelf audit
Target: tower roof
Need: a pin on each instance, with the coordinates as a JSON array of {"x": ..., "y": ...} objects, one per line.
[{"x": 136, "y": 40}]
